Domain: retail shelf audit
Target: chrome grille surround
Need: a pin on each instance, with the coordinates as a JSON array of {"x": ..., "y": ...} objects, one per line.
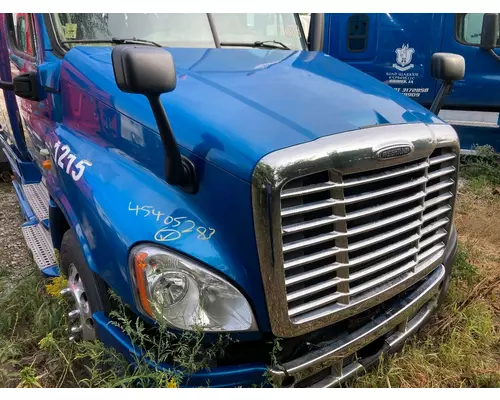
[{"x": 345, "y": 158}]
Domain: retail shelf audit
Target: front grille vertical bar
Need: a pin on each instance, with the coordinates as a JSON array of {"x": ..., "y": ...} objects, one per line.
[
  {"x": 422, "y": 204},
  {"x": 341, "y": 241}
]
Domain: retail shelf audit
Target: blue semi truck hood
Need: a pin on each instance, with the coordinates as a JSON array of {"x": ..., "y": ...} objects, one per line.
[{"x": 233, "y": 106}]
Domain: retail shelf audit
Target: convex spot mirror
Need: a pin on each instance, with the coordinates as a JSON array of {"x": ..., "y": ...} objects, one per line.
[
  {"x": 490, "y": 31},
  {"x": 143, "y": 70},
  {"x": 447, "y": 67}
]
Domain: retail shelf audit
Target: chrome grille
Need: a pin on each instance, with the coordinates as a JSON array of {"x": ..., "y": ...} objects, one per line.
[{"x": 345, "y": 236}]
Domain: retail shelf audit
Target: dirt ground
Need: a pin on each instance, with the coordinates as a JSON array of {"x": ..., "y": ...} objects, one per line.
[
  {"x": 15, "y": 257},
  {"x": 477, "y": 218}
]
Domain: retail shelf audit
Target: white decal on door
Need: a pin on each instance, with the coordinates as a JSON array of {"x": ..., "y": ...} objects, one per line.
[
  {"x": 404, "y": 55},
  {"x": 77, "y": 172},
  {"x": 412, "y": 92}
]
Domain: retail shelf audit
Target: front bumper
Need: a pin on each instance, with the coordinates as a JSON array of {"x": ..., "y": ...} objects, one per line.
[{"x": 327, "y": 366}]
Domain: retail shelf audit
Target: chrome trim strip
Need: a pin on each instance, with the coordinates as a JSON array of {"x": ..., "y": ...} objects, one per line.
[
  {"x": 413, "y": 312},
  {"x": 345, "y": 153},
  {"x": 467, "y": 152}
]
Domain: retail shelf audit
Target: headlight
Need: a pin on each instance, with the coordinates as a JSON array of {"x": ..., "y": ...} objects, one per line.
[{"x": 185, "y": 295}]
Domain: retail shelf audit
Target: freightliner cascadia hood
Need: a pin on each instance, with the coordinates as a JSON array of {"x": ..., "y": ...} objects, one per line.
[{"x": 233, "y": 106}]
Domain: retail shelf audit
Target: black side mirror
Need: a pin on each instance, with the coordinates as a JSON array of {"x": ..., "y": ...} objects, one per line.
[
  {"x": 24, "y": 85},
  {"x": 447, "y": 68},
  {"x": 490, "y": 31},
  {"x": 150, "y": 71},
  {"x": 143, "y": 70},
  {"x": 316, "y": 32}
]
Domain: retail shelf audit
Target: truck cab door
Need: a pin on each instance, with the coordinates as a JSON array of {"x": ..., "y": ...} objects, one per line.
[
  {"x": 10, "y": 127},
  {"x": 480, "y": 88},
  {"x": 394, "y": 48},
  {"x": 23, "y": 58}
]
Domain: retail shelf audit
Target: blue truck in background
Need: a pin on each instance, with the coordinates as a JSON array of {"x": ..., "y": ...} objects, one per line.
[
  {"x": 397, "y": 48},
  {"x": 220, "y": 172}
]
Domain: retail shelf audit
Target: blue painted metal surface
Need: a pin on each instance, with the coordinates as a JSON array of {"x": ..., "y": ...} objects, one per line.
[
  {"x": 51, "y": 272},
  {"x": 244, "y": 375},
  {"x": 230, "y": 108},
  {"x": 472, "y": 137},
  {"x": 232, "y": 99},
  {"x": 225, "y": 120},
  {"x": 25, "y": 171},
  {"x": 423, "y": 35},
  {"x": 26, "y": 210}
]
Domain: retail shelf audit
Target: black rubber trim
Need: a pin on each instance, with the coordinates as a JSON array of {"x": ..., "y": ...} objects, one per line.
[
  {"x": 462, "y": 42},
  {"x": 57, "y": 49},
  {"x": 358, "y": 36},
  {"x": 451, "y": 249},
  {"x": 450, "y": 255}
]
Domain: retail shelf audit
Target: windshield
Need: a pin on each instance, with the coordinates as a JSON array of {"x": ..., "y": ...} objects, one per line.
[{"x": 181, "y": 30}]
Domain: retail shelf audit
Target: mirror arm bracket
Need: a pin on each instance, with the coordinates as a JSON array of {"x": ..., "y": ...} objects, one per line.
[
  {"x": 179, "y": 170},
  {"x": 444, "y": 90},
  {"x": 6, "y": 85}
]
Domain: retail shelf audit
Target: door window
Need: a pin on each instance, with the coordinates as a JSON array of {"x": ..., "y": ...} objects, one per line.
[
  {"x": 22, "y": 31},
  {"x": 357, "y": 32},
  {"x": 469, "y": 27}
]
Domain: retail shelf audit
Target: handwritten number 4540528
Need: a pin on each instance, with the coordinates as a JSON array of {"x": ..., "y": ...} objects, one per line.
[{"x": 168, "y": 233}]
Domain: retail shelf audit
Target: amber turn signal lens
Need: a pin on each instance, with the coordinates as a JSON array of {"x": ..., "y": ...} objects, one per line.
[
  {"x": 47, "y": 164},
  {"x": 140, "y": 269}
]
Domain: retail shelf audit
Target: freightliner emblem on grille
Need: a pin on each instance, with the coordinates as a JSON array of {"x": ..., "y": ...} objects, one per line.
[{"x": 393, "y": 151}]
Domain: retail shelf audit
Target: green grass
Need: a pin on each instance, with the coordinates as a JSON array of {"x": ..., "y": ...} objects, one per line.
[
  {"x": 460, "y": 347},
  {"x": 462, "y": 354},
  {"x": 35, "y": 351},
  {"x": 481, "y": 169},
  {"x": 463, "y": 269},
  {"x": 26, "y": 316}
]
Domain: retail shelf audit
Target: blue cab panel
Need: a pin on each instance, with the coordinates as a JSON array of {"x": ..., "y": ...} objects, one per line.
[
  {"x": 397, "y": 48},
  {"x": 97, "y": 152}
]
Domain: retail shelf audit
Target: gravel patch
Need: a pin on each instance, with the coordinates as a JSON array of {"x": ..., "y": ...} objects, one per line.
[{"x": 15, "y": 258}]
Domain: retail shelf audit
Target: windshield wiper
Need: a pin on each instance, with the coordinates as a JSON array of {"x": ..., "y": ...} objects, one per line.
[
  {"x": 135, "y": 41},
  {"x": 271, "y": 44},
  {"x": 115, "y": 41}
]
